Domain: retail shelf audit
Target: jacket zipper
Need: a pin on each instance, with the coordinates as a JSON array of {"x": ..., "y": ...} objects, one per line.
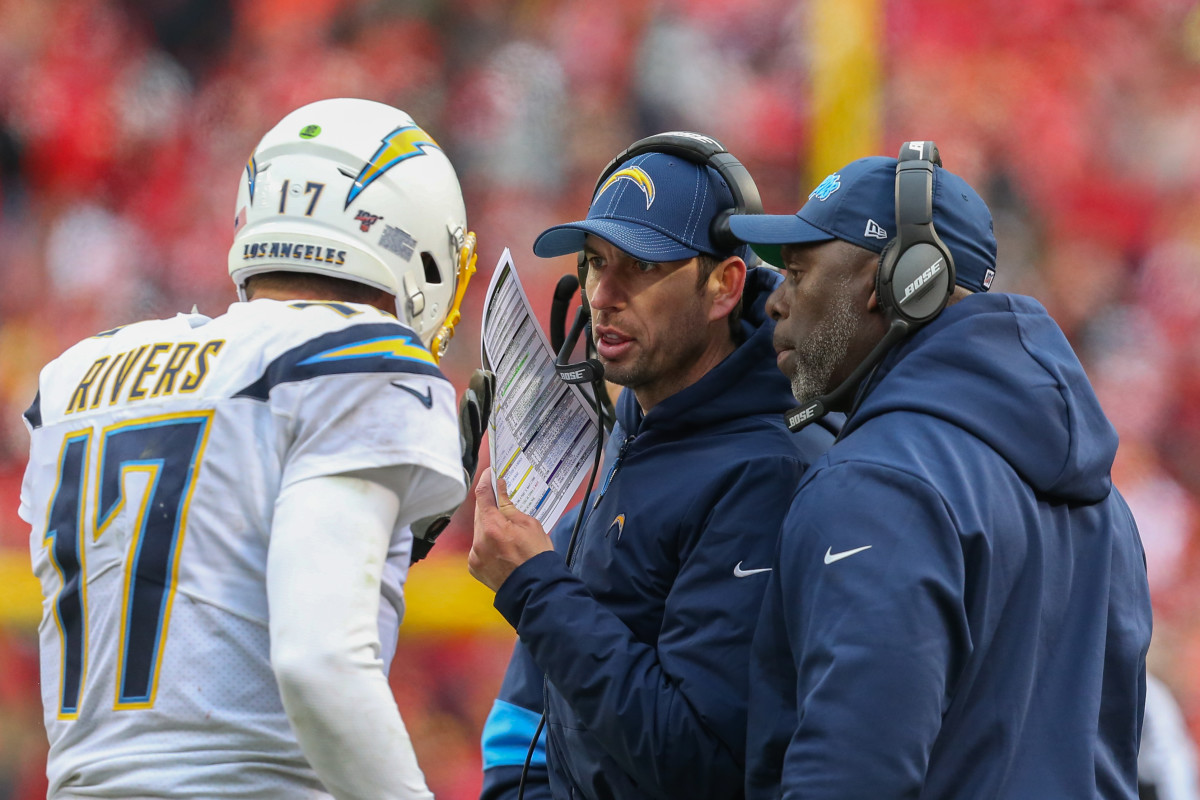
[
  {"x": 603, "y": 488},
  {"x": 579, "y": 546},
  {"x": 613, "y": 469}
]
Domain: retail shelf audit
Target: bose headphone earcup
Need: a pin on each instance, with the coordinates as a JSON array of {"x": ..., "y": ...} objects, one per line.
[
  {"x": 721, "y": 233},
  {"x": 916, "y": 270},
  {"x": 915, "y": 284}
]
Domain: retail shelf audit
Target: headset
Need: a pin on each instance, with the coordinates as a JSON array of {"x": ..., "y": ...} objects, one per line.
[
  {"x": 915, "y": 277},
  {"x": 698, "y": 149}
]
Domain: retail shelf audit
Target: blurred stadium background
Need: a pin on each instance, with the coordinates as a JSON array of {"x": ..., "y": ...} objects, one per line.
[{"x": 125, "y": 124}]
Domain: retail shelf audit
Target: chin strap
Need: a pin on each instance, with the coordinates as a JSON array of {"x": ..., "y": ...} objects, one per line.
[{"x": 466, "y": 268}]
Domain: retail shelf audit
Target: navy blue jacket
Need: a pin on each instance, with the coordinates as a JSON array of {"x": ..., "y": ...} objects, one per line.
[
  {"x": 643, "y": 639},
  {"x": 960, "y": 606}
]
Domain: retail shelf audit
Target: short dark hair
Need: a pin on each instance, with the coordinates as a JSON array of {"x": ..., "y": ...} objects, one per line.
[
  {"x": 326, "y": 286},
  {"x": 707, "y": 265}
]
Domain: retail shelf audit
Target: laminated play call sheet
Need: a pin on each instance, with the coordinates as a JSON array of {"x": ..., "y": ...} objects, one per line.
[{"x": 542, "y": 434}]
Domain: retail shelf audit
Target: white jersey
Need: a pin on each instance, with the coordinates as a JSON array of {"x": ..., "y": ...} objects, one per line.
[
  {"x": 157, "y": 453},
  {"x": 1167, "y": 758}
]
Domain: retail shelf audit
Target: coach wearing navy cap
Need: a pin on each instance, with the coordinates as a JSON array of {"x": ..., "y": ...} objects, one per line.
[
  {"x": 636, "y": 644},
  {"x": 959, "y": 608}
]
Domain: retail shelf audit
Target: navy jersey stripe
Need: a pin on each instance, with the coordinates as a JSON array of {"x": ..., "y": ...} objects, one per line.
[
  {"x": 34, "y": 412},
  {"x": 375, "y": 347}
]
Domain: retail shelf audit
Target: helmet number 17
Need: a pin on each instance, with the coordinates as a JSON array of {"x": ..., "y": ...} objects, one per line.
[{"x": 311, "y": 187}]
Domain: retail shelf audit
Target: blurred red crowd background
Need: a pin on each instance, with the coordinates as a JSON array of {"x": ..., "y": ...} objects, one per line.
[{"x": 125, "y": 124}]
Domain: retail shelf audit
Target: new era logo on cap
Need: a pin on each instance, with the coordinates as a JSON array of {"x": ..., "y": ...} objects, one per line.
[{"x": 875, "y": 230}]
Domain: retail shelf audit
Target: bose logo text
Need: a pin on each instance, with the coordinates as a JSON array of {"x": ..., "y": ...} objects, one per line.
[
  {"x": 573, "y": 375},
  {"x": 696, "y": 136},
  {"x": 930, "y": 272},
  {"x": 804, "y": 415}
]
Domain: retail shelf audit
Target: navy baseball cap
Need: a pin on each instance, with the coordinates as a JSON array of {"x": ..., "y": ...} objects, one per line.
[
  {"x": 655, "y": 207},
  {"x": 857, "y": 204}
]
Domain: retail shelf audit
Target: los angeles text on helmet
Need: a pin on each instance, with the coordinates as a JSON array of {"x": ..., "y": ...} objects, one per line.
[{"x": 294, "y": 250}]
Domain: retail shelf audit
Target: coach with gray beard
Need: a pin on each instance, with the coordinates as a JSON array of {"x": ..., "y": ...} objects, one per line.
[{"x": 959, "y": 608}]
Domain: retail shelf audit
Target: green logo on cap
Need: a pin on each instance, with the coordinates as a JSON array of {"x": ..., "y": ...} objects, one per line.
[{"x": 310, "y": 131}]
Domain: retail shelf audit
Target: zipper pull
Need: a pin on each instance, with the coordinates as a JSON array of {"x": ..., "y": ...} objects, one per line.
[{"x": 613, "y": 469}]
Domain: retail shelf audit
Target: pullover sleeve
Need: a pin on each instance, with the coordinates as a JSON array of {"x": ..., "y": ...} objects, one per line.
[
  {"x": 509, "y": 730},
  {"x": 515, "y": 715},
  {"x": 871, "y": 578}
]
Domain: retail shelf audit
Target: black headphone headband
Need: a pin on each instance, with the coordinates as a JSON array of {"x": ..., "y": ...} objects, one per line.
[{"x": 705, "y": 151}]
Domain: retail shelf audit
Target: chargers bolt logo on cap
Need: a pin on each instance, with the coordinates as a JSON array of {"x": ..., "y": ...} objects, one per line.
[{"x": 638, "y": 176}]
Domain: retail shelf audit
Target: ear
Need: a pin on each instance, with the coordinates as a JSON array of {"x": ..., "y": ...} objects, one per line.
[
  {"x": 870, "y": 271},
  {"x": 725, "y": 286}
]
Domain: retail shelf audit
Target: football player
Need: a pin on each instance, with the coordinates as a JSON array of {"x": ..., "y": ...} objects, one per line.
[{"x": 223, "y": 509}]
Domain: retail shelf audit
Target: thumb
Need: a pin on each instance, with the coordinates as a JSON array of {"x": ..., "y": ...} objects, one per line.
[
  {"x": 502, "y": 493},
  {"x": 483, "y": 491}
]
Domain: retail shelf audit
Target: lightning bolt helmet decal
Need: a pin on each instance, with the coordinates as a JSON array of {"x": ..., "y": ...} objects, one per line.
[
  {"x": 251, "y": 175},
  {"x": 399, "y": 145}
]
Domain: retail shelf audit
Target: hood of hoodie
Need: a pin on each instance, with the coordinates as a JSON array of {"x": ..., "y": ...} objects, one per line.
[
  {"x": 747, "y": 382},
  {"x": 1000, "y": 368}
]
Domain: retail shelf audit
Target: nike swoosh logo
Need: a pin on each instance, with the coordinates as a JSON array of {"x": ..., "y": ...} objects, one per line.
[
  {"x": 831, "y": 556},
  {"x": 426, "y": 399},
  {"x": 738, "y": 572}
]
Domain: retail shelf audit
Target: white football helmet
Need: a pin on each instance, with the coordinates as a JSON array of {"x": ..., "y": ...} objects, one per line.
[{"x": 355, "y": 189}]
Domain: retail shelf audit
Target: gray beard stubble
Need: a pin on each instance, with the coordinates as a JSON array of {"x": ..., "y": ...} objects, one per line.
[{"x": 819, "y": 355}]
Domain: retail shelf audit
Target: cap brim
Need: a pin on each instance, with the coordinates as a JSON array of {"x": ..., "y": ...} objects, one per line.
[
  {"x": 767, "y": 233},
  {"x": 645, "y": 244}
]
